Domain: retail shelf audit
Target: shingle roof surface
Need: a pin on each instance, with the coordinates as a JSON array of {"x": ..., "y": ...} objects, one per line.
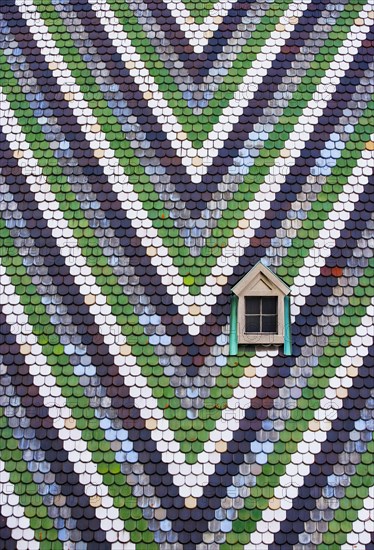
[{"x": 152, "y": 152}]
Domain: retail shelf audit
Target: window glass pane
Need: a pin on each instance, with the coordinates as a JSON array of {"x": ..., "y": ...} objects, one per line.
[
  {"x": 269, "y": 323},
  {"x": 269, "y": 304},
  {"x": 252, "y": 304},
  {"x": 252, "y": 323}
]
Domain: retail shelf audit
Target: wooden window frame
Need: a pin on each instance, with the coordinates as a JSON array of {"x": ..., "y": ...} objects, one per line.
[{"x": 260, "y": 282}]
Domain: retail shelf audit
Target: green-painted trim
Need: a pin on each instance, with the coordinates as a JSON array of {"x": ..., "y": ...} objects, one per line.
[
  {"x": 233, "y": 345},
  {"x": 287, "y": 346}
]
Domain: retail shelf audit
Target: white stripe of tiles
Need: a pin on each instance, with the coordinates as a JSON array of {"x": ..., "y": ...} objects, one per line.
[
  {"x": 198, "y": 35},
  {"x": 363, "y": 527},
  {"x": 140, "y": 381},
  {"x": 183, "y": 147},
  {"x": 126, "y": 362},
  {"x": 132, "y": 205},
  {"x": 302, "y": 204},
  {"x": 61, "y": 415},
  {"x": 190, "y": 478},
  {"x": 313, "y": 438},
  {"x": 332, "y": 229},
  {"x": 14, "y": 513},
  {"x": 246, "y": 90}
]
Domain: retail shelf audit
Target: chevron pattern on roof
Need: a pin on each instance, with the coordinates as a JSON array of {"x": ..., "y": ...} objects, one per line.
[{"x": 152, "y": 152}]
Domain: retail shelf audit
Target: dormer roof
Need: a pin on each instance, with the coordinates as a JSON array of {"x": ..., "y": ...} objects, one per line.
[{"x": 260, "y": 280}]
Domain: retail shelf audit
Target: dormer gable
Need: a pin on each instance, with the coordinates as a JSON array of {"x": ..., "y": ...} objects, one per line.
[
  {"x": 260, "y": 280},
  {"x": 262, "y": 314}
]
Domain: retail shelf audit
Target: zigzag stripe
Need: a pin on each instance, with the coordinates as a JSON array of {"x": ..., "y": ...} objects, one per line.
[
  {"x": 11, "y": 509},
  {"x": 61, "y": 415},
  {"x": 108, "y": 94},
  {"x": 197, "y": 34},
  {"x": 120, "y": 278},
  {"x": 313, "y": 438},
  {"x": 13, "y": 125},
  {"x": 313, "y": 255}
]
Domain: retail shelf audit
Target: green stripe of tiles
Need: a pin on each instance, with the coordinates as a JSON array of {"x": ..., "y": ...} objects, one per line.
[
  {"x": 320, "y": 209},
  {"x": 59, "y": 362},
  {"x": 199, "y": 10},
  {"x": 332, "y": 353},
  {"x": 193, "y": 270},
  {"x": 125, "y": 154},
  {"x": 26, "y": 489},
  {"x": 300, "y": 416},
  {"x": 341, "y": 524},
  {"x": 121, "y": 308},
  {"x": 197, "y": 124},
  {"x": 263, "y": 30},
  {"x": 105, "y": 278}
]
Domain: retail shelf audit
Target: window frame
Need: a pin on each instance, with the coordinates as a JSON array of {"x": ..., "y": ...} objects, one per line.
[
  {"x": 260, "y": 282},
  {"x": 261, "y": 316}
]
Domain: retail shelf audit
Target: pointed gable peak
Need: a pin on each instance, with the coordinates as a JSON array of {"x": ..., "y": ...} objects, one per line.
[{"x": 260, "y": 280}]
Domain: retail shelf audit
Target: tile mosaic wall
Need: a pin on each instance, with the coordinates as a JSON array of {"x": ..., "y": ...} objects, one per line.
[{"x": 152, "y": 152}]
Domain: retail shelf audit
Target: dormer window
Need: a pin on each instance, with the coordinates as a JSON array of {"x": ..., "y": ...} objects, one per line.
[{"x": 262, "y": 308}]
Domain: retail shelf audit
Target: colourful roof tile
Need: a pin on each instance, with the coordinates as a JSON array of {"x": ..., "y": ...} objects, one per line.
[{"x": 151, "y": 154}]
